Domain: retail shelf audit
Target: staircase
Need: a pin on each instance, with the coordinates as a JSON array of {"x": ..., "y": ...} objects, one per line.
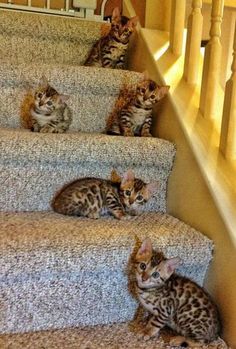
[{"x": 59, "y": 272}]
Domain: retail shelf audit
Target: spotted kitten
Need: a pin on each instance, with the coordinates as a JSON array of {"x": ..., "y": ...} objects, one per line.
[
  {"x": 173, "y": 300},
  {"x": 49, "y": 113},
  {"x": 133, "y": 116},
  {"x": 92, "y": 197},
  {"x": 110, "y": 50}
]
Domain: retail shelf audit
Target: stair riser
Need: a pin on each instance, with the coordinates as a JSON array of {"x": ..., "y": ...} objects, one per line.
[
  {"x": 89, "y": 111},
  {"x": 28, "y": 187},
  {"x": 26, "y": 49},
  {"x": 88, "y": 299},
  {"x": 92, "y": 92}
]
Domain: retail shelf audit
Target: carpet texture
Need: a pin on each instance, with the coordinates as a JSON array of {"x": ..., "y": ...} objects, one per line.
[
  {"x": 62, "y": 271},
  {"x": 99, "y": 337},
  {"x": 53, "y": 39},
  {"x": 59, "y": 272}
]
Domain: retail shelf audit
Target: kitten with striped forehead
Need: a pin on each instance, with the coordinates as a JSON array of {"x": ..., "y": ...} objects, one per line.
[
  {"x": 49, "y": 113},
  {"x": 173, "y": 300},
  {"x": 93, "y": 197},
  {"x": 132, "y": 115},
  {"x": 110, "y": 50}
]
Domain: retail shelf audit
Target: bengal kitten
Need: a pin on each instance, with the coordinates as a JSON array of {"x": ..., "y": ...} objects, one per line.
[
  {"x": 173, "y": 300},
  {"x": 93, "y": 197},
  {"x": 49, "y": 113},
  {"x": 110, "y": 50},
  {"x": 133, "y": 116}
]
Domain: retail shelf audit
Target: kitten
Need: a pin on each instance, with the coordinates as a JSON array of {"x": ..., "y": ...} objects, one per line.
[
  {"x": 132, "y": 115},
  {"x": 110, "y": 50},
  {"x": 92, "y": 197},
  {"x": 50, "y": 113},
  {"x": 173, "y": 300}
]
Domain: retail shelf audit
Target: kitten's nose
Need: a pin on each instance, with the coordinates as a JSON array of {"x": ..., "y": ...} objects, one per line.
[{"x": 144, "y": 276}]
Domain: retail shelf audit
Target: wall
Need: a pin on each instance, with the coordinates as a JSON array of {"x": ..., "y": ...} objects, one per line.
[{"x": 189, "y": 197}]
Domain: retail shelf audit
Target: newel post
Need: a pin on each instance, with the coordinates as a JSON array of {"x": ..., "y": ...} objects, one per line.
[
  {"x": 177, "y": 26},
  {"x": 193, "y": 45},
  {"x": 228, "y": 127},
  {"x": 212, "y": 60}
]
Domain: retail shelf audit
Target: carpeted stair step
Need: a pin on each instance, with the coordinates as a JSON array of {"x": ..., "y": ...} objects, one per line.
[
  {"x": 92, "y": 91},
  {"x": 59, "y": 271},
  {"x": 117, "y": 336},
  {"x": 34, "y": 166},
  {"x": 43, "y": 38}
]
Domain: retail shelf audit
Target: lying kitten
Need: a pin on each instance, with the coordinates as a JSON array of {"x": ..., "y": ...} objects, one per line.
[
  {"x": 50, "y": 113},
  {"x": 92, "y": 197},
  {"x": 132, "y": 115},
  {"x": 173, "y": 300},
  {"x": 110, "y": 50}
]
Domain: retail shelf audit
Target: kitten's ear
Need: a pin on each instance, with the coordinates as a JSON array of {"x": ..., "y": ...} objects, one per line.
[
  {"x": 116, "y": 14},
  {"x": 162, "y": 91},
  {"x": 127, "y": 177},
  {"x": 43, "y": 82},
  {"x": 152, "y": 187},
  {"x": 171, "y": 264},
  {"x": 145, "y": 251},
  {"x": 132, "y": 22},
  {"x": 64, "y": 98},
  {"x": 115, "y": 177}
]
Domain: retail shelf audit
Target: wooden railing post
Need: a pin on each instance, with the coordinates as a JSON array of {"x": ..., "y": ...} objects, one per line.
[
  {"x": 211, "y": 67},
  {"x": 177, "y": 26},
  {"x": 228, "y": 127},
  {"x": 194, "y": 36}
]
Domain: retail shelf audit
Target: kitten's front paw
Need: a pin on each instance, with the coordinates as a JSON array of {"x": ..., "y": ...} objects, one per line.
[
  {"x": 128, "y": 133},
  {"x": 146, "y": 134},
  {"x": 126, "y": 217},
  {"x": 149, "y": 333}
]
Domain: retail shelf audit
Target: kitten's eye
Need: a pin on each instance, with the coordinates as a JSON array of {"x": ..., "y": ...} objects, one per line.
[
  {"x": 40, "y": 95},
  {"x": 126, "y": 30},
  {"x": 152, "y": 96},
  {"x": 155, "y": 275},
  {"x": 143, "y": 90},
  {"x": 139, "y": 198},
  {"x": 49, "y": 103},
  {"x": 127, "y": 192},
  {"x": 142, "y": 266}
]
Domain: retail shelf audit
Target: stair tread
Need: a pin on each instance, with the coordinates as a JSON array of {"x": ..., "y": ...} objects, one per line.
[
  {"x": 92, "y": 91},
  {"x": 117, "y": 336},
  {"x": 31, "y": 243},
  {"x": 19, "y": 23}
]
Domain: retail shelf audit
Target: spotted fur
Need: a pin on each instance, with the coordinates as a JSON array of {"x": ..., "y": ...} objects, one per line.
[
  {"x": 173, "y": 300},
  {"x": 132, "y": 115},
  {"x": 92, "y": 197},
  {"x": 49, "y": 112},
  {"x": 110, "y": 50}
]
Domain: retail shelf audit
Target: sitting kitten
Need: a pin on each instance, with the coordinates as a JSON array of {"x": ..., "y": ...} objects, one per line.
[
  {"x": 173, "y": 300},
  {"x": 133, "y": 114},
  {"x": 91, "y": 197},
  {"x": 50, "y": 113},
  {"x": 110, "y": 50}
]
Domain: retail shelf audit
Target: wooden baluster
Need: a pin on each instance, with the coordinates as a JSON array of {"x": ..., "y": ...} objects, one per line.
[
  {"x": 193, "y": 44},
  {"x": 228, "y": 127},
  {"x": 177, "y": 26},
  {"x": 211, "y": 68}
]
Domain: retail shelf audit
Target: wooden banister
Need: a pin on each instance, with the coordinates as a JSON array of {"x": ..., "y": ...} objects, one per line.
[
  {"x": 194, "y": 36},
  {"x": 177, "y": 26},
  {"x": 228, "y": 127},
  {"x": 211, "y": 68}
]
